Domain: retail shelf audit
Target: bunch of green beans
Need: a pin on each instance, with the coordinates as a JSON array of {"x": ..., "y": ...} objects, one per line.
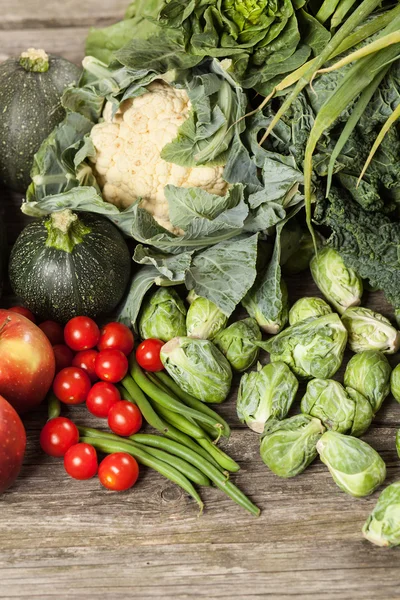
[{"x": 175, "y": 461}]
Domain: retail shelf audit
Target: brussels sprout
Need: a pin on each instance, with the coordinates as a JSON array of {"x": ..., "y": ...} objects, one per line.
[
  {"x": 268, "y": 392},
  {"x": 382, "y": 527},
  {"x": 204, "y": 319},
  {"x": 236, "y": 343},
  {"x": 163, "y": 316},
  {"x": 289, "y": 446},
  {"x": 395, "y": 383},
  {"x": 356, "y": 467},
  {"x": 300, "y": 260},
  {"x": 327, "y": 400},
  {"x": 341, "y": 286},
  {"x": 363, "y": 414},
  {"x": 369, "y": 374},
  {"x": 263, "y": 309},
  {"x": 198, "y": 367},
  {"x": 307, "y": 308},
  {"x": 369, "y": 330},
  {"x": 312, "y": 348}
]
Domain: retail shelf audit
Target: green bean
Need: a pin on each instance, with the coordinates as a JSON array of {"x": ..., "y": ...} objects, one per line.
[
  {"x": 191, "y": 401},
  {"x": 144, "y": 405},
  {"x": 53, "y": 406},
  {"x": 109, "y": 446},
  {"x": 224, "y": 460},
  {"x": 182, "y": 423},
  {"x": 179, "y": 464},
  {"x": 208, "y": 469},
  {"x": 166, "y": 400},
  {"x": 125, "y": 395}
]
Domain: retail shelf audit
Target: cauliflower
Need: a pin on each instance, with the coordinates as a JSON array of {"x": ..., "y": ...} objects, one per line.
[{"x": 128, "y": 164}]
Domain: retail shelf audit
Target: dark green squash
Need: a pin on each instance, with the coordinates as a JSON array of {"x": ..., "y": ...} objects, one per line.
[
  {"x": 30, "y": 91},
  {"x": 64, "y": 265}
]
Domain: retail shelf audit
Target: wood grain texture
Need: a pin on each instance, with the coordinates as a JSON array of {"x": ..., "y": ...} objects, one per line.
[{"x": 61, "y": 538}]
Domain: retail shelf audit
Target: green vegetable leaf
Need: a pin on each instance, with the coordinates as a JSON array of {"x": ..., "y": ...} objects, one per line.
[
  {"x": 186, "y": 204},
  {"x": 129, "y": 308},
  {"x": 229, "y": 265},
  {"x": 172, "y": 266}
]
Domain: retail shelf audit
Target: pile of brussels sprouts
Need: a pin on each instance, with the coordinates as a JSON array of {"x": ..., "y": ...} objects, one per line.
[{"x": 201, "y": 352}]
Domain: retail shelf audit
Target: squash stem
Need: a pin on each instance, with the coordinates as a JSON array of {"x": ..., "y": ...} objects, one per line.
[
  {"x": 35, "y": 61},
  {"x": 65, "y": 230}
]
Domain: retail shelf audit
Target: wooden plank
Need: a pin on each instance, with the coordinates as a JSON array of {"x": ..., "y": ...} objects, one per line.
[
  {"x": 67, "y": 42},
  {"x": 34, "y": 14}
]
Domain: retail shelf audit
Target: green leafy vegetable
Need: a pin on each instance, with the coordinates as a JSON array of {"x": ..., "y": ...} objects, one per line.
[
  {"x": 163, "y": 316},
  {"x": 382, "y": 527},
  {"x": 237, "y": 343},
  {"x": 342, "y": 287},
  {"x": 204, "y": 319},
  {"x": 198, "y": 367},
  {"x": 312, "y": 348},
  {"x": 338, "y": 409},
  {"x": 308, "y": 308},
  {"x": 289, "y": 446},
  {"x": 369, "y": 330},
  {"x": 356, "y": 467},
  {"x": 267, "y": 392},
  {"x": 369, "y": 373}
]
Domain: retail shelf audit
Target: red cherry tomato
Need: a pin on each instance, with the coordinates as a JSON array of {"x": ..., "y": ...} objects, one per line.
[
  {"x": 148, "y": 355},
  {"x": 81, "y": 333},
  {"x": 111, "y": 365},
  {"x": 124, "y": 418},
  {"x": 21, "y": 310},
  {"x": 80, "y": 461},
  {"x": 53, "y": 331},
  {"x": 118, "y": 471},
  {"x": 72, "y": 385},
  {"x": 86, "y": 360},
  {"x": 58, "y": 435},
  {"x": 101, "y": 398},
  {"x": 116, "y": 336},
  {"x": 63, "y": 355}
]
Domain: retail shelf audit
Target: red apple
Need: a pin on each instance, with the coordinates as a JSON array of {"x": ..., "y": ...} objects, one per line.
[
  {"x": 12, "y": 444},
  {"x": 26, "y": 362}
]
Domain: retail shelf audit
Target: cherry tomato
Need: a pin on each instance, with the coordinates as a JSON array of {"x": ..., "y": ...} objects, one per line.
[
  {"x": 72, "y": 385},
  {"x": 81, "y": 333},
  {"x": 116, "y": 336},
  {"x": 118, "y": 471},
  {"x": 101, "y": 398},
  {"x": 58, "y": 435},
  {"x": 111, "y": 365},
  {"x": 53, "y": 331},
  {"x": 148, "y": 355},
  {"x": 80, "y": 461},
  {"x": 63, "y": 355},
  {"x": 86, "y": 360},
  {"x": 124, "y": 418},
  {"x": 25, "y": 312}
]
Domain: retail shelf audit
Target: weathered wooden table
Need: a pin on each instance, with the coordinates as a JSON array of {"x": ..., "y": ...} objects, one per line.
[{"x": 61, "y": 538}]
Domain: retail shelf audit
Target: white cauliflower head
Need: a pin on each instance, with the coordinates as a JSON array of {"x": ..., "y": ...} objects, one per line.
[{"x": 128, "y": 164}]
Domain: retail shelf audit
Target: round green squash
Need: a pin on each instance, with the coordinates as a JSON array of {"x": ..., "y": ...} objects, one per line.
[
  {"x": 63, "y": 265},
  {"x": 30, "y": 107}
]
